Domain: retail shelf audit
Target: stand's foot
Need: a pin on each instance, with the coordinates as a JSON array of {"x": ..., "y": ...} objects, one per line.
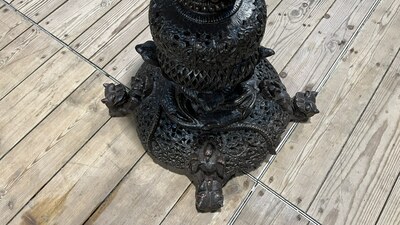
[
  {"x": 304, "y": 106},
  {"x": 209, "y": 197}
]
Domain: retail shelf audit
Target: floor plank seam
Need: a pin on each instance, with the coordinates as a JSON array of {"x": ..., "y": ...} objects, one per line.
[
  {"x": 51, "y": 178},
  {"x": 179, "y": 199},
  {"x": 45, "y": 117},
  {"x": 311, "y": 32},
  {"x": 318, "y": 88},
  {"x": 289, "y": 203},
  {"x": 55, "y": 9},
  {"x": 283, "y": 199},
  {"x": 64, "y": 44},
  {"x": 387, "y": 199},
  {"x": 243, "y": 204},
  {"x": 333, "y": 68},
  {"x": 16, "y": 37},
  {"x": 44, "y": 62},
  {"x": 352, "y": 130},
  {"x": 257, "y": 180},
  {"x": 347, "y": 46},
  {"x": 124, "y": 47},
  {"x": 114, "y": 188}
]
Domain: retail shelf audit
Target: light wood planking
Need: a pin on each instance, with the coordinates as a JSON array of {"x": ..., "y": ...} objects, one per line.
[
  {"x": 38, "y": 157},
  {"x": 323, "y": 47},
  {"x": 114, "y": 31},
  {"x": 305, "y": 160},
  {"x": 127, "y": 63},
  {"x": 75, "y": 16},
  {"x": 38, "y": 95},
  {"x": 391, "y": 213},
  {"x": 185, "y": 211},
  {"x": 11, "y": 25},
  {"x": 88, "y": 178},
  {"x": 265, "y": 208},
  {"x": 360, "y": 181},
  {"x": 145, "y": 196},
  {"x": 23, "y": 56},
  {"x": 290, "y": 24},
  {"x": 300, "y": 50},
  {"x": 37, "y": 10}
]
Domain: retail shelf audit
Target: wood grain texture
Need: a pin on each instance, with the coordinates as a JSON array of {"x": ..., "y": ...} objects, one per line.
[
  {"x": 39, "y": 156},
  {"x": 23, "y": 56},
  {"x": 11, "y": 25},
  {"x": 185, "y": 211},
  {"x": 360, "y": 181},
  {"x": 301, "y": 167},
  {"x": 322, "y": 48},
  {"x": 127, "y": 63},
  {"x": 391, "y": 213},
  {"x": 37, "y": 10},
  {"x": 289, "y": 25},
  {"x": 75, "y": 16},
  {"x": 85, "y": 181},
  {"x": 38, "y": 95},
  {"x": 265, "y": 208},
  {"x": 302, "y": 44},
  {"x": 114, "y": 31},
  {"x": 145, "y": 196}
]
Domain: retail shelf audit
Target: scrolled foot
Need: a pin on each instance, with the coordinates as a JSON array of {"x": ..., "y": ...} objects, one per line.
[
  {"x": 304, "y": 106},
  {"x": 209, "y": 197},
  {"x": 117, "y": 100}
]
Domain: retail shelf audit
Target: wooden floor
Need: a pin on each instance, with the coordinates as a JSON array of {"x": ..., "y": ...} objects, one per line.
[{"x": 63, "y": 160}]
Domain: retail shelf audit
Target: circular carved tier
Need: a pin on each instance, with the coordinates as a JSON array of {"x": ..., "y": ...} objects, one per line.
[{"x": 207, "y": 55}]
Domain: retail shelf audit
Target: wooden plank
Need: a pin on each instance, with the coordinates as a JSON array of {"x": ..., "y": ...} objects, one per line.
[
  {"x": 38, "y": 157},
  {"x": 391, "y": 213},
  {"x": 324, "y": 45},
  {"x": 88, "y": 178},
  {"x": 265, "y": 208},
  {"x": 360, "y": 181},
  {"x": 145, "y": 196},
  {"x": 185, "y": 211},
  {"x": 23, "y": 56},
  {"x": 114, "y": 31},
  {"x": 301, "y": 54},
  {"x": 309, "y": 154},
  {"x": 127, "y": 63},
  {"x": 11, "y": 25},
  {"x": 37, "y": 10},
  {"x": 75, "y": 16},
  {"x": 38, "y": 95},
  {"x": 290, "y": 25}
]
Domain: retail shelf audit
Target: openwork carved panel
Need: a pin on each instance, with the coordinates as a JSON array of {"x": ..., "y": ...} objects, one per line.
[{"x": 207, "y": 101}]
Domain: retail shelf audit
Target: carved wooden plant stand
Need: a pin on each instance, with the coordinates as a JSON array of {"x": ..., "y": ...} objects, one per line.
[{"x": 207, "y": 101}]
